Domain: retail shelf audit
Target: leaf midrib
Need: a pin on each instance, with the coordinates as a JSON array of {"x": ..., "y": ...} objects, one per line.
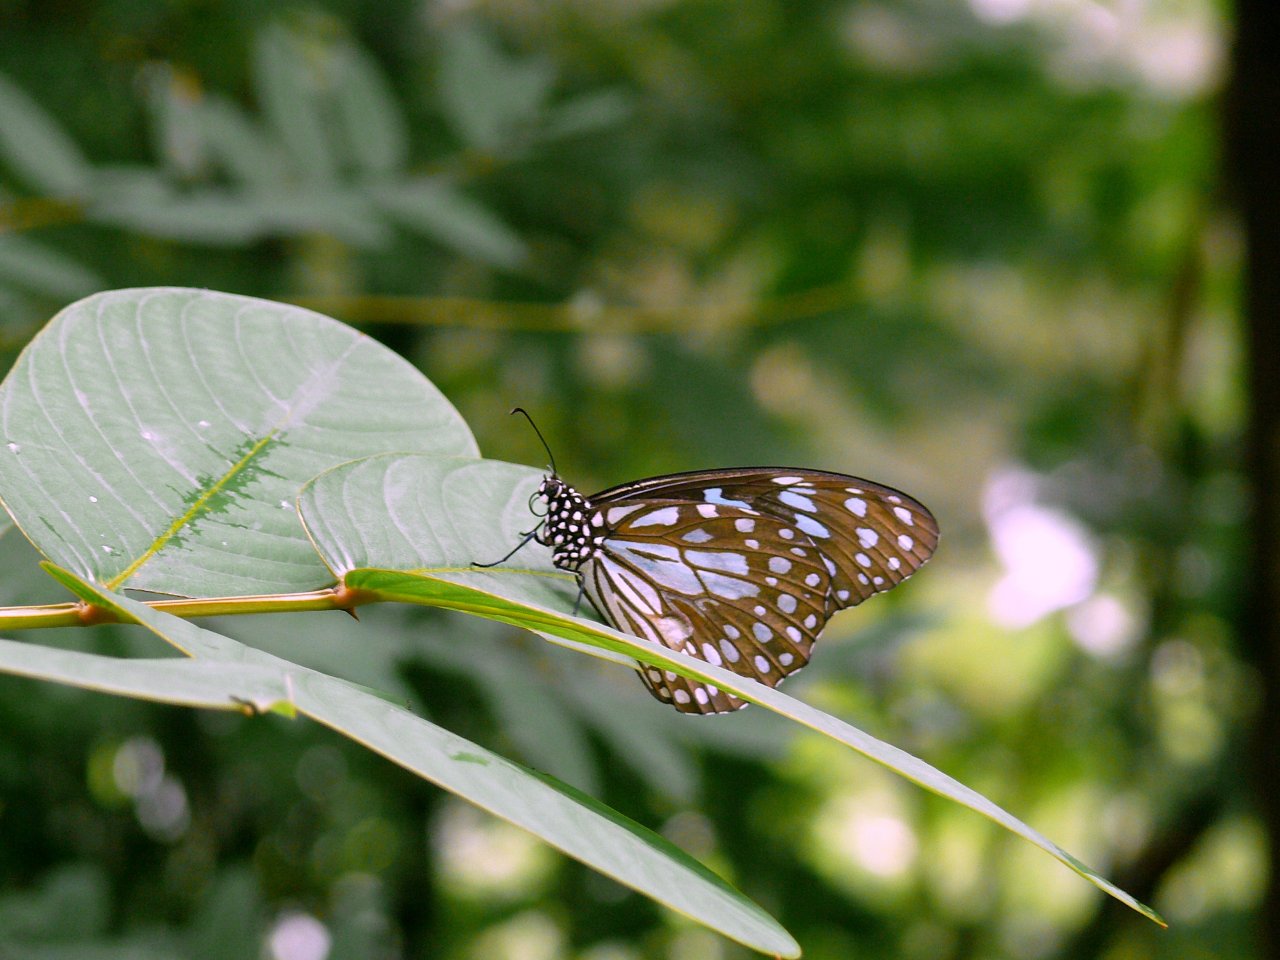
[{"x": 196, "y": 508}]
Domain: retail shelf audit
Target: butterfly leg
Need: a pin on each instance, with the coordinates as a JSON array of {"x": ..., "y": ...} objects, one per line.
[{"x": 514, "y": 550}]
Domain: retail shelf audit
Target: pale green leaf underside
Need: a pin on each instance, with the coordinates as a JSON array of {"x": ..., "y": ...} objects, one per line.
[
  {"x": 408, "y": 527},
  {"x": 572, "y": 822},
  {"x": 157, "y": 438},
  {"x": 210, "y": 685}
]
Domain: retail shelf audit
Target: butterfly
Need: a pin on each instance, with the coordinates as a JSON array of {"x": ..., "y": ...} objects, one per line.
[{"x": 740, "y": 567}]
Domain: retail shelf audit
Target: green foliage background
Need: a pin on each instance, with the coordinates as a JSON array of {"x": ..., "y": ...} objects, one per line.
[{"x": 976, "y": 251}]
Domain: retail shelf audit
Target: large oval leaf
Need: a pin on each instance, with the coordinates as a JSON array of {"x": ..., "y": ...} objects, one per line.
[
  {"x": 406, "y": 528},
  {"x": 157, "y": 438}
]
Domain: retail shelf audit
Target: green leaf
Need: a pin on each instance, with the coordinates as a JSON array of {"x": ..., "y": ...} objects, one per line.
[
  {"x": 488, "y": 96},
  {"x": 246, "y": 152},
  {"x": 586, "y": 114},
  {"x": 37, "y": 149},
  {"x": 212, "y": 217},
  {"x": 407, "y": 528},
  {"x": 440, "y": 212},
  {"x": 565, "y": 818},
  {"x": 41, "y": 270},
  {"x": 157, "y": 438},
  {"x": 374, "y": 133},
  {"x": 211, "y": 685},
  {"x": 288, "y": 91}
]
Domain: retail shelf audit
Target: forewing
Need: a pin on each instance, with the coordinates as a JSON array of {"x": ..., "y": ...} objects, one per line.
[
  {"x": 874, "y": 536},
  {"x": 733, "y": 586}
]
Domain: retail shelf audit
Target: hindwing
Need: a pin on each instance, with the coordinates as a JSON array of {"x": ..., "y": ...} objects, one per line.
[{"x": 724, "y": 584}]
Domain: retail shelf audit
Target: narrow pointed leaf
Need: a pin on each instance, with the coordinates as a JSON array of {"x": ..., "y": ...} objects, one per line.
[
  {"x": 211, "y": 685},
  {"x": 36, "y": 267},
  {"x": 565, "y": 818},
  {"x": 439, "y": 211},
  {"x": 157, "y": 438},
  {"x": 35, "y": 147},
  {"x": 407, "y": 528},
  {"x": 289, "y": 96},
  {"x": 374, "y": 134}
]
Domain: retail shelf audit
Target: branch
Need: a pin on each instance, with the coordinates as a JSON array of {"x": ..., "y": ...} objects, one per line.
[{"x": 79, "y": 614}]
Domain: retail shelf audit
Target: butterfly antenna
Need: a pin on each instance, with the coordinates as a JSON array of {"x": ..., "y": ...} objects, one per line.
[{"x": 545, "y": 445}]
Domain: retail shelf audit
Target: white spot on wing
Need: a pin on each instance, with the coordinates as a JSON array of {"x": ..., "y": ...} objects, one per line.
[
  {"x": 663, "y": 517},
  {"x": 708, "y": 510},
  {"x": 903, "y": 514},
  {"x": 697, "y": 536},
  {"x": 812, "y": 527},
  {"x": 730, "y": 651},
  {"x": 779, "y": 564},
  {"x": 762, "y": 664},
  {"x": 618, "y": 514},
  {"x": 786, "y": 603},
  {"x": 857, "y": 506},
  {"x": 730, "y": 588},
  {"x": 673, "y": 629},
  {"x": 660, "y": 562},
  {"x": 711, "y": 655},
  {"x": 635, "y": 590},
  {"x": 793, "y": 499},
  {"x": 787, "y": 481},
  {"x": 716, "y": 495},
  {"x": 762, "y": 632},
  {"x": 716, "y": 560},
  {"x": 744, "y": 524},
  {"x": 905, "y": 542},
  {"x": 868, "y": 537}
]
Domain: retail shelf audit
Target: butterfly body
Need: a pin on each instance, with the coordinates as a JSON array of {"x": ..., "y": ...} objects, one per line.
[{"x": 739, "y": 567}]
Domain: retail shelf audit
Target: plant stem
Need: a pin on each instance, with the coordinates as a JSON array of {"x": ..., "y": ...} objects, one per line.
[{"x": 75, "y": 614}]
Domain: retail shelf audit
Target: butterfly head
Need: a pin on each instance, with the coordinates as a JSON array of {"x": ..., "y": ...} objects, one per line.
[{"x": 572, "y": 528}]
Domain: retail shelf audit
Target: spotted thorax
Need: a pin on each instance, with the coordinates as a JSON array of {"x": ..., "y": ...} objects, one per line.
[{"x": 572, "y": 529}]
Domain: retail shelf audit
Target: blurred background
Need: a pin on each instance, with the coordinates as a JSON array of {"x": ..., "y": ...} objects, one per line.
[{"x": 984, "y": 250}]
